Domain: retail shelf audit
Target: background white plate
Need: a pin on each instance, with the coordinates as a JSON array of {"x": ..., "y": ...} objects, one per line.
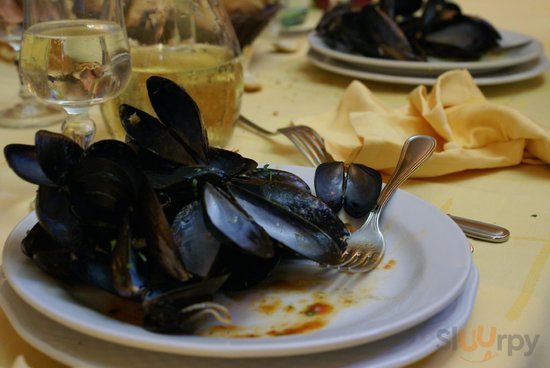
[
  {"x": 518, "y": 73},
  {"x": 79, "y": 350},
  {"x": 490, "y": 62},
  {"x": 431, "y": 261}
]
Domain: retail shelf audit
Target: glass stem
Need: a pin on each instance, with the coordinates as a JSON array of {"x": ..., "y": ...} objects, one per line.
[{"x": 79, "y": 127}]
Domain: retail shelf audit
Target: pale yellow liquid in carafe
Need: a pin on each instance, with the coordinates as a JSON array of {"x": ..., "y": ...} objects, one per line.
[{"x": 210, "y": 74}]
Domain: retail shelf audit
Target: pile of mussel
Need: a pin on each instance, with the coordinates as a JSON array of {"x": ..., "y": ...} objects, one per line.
[
  {"x": 407, "y": 30},
  {"x": 167, "y": 221}
]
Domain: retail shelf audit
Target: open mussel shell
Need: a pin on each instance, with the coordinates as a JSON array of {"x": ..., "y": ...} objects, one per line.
[
  {"x": 355, "y": 187},
  {"x": 298, "y": 201},
  {"x": 464, "y": 37},
  {"x": 275, "y": 176},
  {"x": 48, "y": 254},
  {"x": 231, "y": 163},
  {"x": 179, "y": 112},
  {"x": 129, "y": 279},
  {"x": 57, "y": 155},
  {"x": 287, "y": 228},
  {"x": 22, "y": 160},
  {"x": 150, "y": 134},
  {"x": 229, "y": 219},
  {"x": 198, "y": 246},
  {"x": 205, "y": 253},
  {"x": 53, "y": 209}
]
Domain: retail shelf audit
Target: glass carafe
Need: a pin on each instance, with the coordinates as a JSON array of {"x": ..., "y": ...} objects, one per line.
[{"x": 191, "y": 42}]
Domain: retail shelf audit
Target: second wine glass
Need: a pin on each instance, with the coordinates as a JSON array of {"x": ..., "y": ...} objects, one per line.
[
  {"x": 75, "y": 54},
  {"x": 29, "y": 112}
]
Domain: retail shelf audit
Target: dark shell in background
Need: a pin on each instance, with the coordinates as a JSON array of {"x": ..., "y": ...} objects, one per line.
[
  {"x": 369, "y": 32},
  {"x": 464, "y": 38},
  {"x": 355, "y": 187},
  {"x": 402, "y": 30}
]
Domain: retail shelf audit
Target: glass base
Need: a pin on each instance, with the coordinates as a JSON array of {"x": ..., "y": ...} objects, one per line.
[{"x": 31, "y": 115}]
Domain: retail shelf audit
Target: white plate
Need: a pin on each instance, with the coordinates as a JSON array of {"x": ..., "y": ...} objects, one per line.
[
  {"x": 425, "y": 268},
  {"x": 513, "y": 74},
  {"x": 491, "y": 62},
  {"x": 78, "y": 350}
]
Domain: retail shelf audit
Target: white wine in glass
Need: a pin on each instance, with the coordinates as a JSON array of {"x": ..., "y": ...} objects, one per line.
[
  {"x": 75, "y": 56},
  {"x": 29, "y": 112}
]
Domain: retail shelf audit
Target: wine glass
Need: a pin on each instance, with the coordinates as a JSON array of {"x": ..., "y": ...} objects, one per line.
[
  {"x": 29, "y": 112},
  {"x": 75, "y": 54},
  {"x": 192, "y": 43}
]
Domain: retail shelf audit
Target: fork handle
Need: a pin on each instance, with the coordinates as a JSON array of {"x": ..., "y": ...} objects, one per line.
[{"x": 415, "y": 151}]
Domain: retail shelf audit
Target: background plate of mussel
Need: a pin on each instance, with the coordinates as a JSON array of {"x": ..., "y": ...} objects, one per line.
[
  {"x": 301, "y": 308},
  {"x": 388, "y": 39},
  {"x": 496, "y": 60}
]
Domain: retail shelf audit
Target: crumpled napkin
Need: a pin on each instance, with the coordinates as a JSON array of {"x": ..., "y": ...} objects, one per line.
[{"x": 471, "y": 132}]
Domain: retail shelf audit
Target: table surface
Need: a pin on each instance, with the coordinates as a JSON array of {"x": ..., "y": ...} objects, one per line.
[{"x": 513, "y": 298}]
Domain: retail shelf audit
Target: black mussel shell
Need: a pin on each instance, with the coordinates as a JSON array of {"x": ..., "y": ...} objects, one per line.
[
  {"x": 22, "y": 160},
  {"x": 126, "y": 263},
  {"x": 185, "y": 178},
  {"x": 101, "y": 193},
  {"x": 150, "y": 134},
  {"x": 50, "y": 256},
  {"x": 151, "y": 224},
  {"x": 301, "y": 203},
  {"x": 54, "y": 213},
  {"x": 289, "y": 229},
  {"x": 329, "y": 184},
  {"x": 355, "y": 187},
  {"x": 177, "y": 110},
  {"x": 57, "y": 155},
  {"x": 463, "y": 37},
  {"x": 279, "y": 177},
  {"x": 228, "y": 218},
  {"x": 198, "y": 246},
  {"x": 229, "y": 162},
  {"x": 363, "y": 186}
]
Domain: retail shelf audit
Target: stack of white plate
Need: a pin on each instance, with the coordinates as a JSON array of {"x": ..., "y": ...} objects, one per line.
[
  {"x": 519, "y": 57},
  {"x": 413, "y": 304}
]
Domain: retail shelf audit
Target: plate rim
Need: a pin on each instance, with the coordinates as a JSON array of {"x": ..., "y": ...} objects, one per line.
[
  {"x": 539, "y": 66},
  {"x": 193, "y": 345},
  {"x": 319, "y": 45},
  {"x": 462, "y": 306}
]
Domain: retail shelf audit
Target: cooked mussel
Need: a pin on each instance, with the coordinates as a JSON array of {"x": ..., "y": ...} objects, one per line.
[{"x": 355, "y": 187}]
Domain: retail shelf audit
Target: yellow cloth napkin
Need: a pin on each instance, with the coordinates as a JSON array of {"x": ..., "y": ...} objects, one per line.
[{"x": 472, "y": 133}]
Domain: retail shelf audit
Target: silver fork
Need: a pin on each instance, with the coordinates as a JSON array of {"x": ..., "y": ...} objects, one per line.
[
  {"x": 365, "y": 247},
  {"x": 307, "y": 140}
]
